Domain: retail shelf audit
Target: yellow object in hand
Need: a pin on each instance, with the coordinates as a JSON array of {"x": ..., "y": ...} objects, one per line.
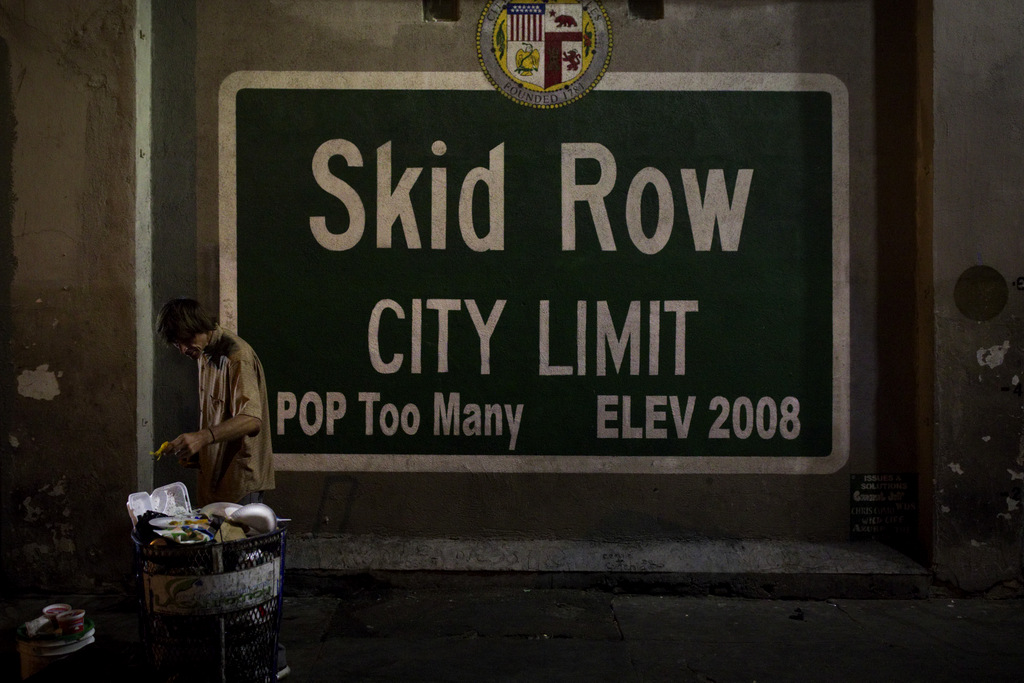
[{"x": 164, "y": 447}]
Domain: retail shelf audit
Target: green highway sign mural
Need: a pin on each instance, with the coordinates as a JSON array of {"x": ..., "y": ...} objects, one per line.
[{"x": 653, "y": 279}]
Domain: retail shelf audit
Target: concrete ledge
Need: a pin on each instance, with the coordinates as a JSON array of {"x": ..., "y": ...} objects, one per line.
[
  {"x": 748, "y": 568},
  {"x": 354, "y": 553}
]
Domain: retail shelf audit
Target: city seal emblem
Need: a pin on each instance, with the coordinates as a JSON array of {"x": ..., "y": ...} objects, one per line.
[{"x": 544, "y": 54}]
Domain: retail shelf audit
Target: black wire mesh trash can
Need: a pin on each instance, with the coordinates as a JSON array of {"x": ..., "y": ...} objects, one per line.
[{"x": 211, "y": 611}]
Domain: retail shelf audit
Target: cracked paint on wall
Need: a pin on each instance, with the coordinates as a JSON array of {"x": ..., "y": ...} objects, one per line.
[
  {"x": 994, "y": 355},
  {"x": 40, "y": 383},
  {"x": 32, "y": 513},
  {"x": 1012, "y": 504},
  {"x": 58, "y": 488},
  {"x": 50, "y": 508},
  {"x": 63, "y": 539}
]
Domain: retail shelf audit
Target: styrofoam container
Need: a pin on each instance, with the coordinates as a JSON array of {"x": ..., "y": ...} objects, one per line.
[
  {"x": 171, "y": 499},
  {"x": 258, "y": 517},
  {"x": 221, "y": 509},
  {"x": 139, "y": 503}
]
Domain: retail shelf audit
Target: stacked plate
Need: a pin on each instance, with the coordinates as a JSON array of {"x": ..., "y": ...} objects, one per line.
[
  {"x": 39, "y": 651},
  {"x": 183, "y": 529}
]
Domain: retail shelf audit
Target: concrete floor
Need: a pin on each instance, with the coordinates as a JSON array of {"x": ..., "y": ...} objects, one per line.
[{"x": 519, "y": 634}]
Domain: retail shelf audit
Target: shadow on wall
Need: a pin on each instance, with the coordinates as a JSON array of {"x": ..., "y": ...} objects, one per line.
[
  {"x": 335, "y": 506},
  {"x": 904, "y": 319},
  {"x": 174, "y": 273},
  {"x": 7, "y": 264}
]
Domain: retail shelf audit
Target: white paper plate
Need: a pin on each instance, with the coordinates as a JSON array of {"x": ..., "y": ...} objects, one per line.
[{"x": 176, "y": 522}]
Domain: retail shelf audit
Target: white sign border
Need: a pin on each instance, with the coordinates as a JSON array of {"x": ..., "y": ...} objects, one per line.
[{"x": 581, "y": 464}]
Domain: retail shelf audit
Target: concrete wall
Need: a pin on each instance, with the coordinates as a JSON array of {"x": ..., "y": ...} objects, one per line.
[
  {"x": 75, "y": 429},
  {"x": 979, "y": 298},
  {"x": 68, "y": 347}
]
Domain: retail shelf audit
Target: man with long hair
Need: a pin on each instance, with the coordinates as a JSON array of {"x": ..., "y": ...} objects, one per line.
[{"x": 232, "y": 447}]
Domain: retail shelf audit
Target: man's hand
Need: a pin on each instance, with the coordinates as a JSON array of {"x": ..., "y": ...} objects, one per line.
[{"x": 187, "y": 446}]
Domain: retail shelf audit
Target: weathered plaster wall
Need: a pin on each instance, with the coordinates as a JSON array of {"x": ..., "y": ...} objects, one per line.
[
  {"x": 68, "y": 371},
  {"x": 979, "y": 331}
]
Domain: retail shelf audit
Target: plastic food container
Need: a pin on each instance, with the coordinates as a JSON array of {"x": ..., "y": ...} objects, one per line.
[
  {"x": 52, "y": 611},
  {"x": 171, "y": 499},
  {"x": 71, "y": 621}
]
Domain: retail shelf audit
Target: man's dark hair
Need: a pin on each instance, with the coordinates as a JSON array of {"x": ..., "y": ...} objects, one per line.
[{"x": 182, "y": 319}]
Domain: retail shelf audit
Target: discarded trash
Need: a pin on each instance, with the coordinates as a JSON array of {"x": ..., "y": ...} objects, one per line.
[
  {"x": 219, "y": 509},
  {"x": 71, "y": 621},
  {"x": 171, "y": 499},
  {"x": 60, "y": 631},
  {"x": 51, "y": 612},
  {"x": 257, "y": 516},
  {"x": 34, "y": 627},
  {"x": 166, "y": 515}
]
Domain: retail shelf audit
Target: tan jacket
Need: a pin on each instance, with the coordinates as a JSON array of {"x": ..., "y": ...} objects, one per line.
[{"x": 231, "y": 382}]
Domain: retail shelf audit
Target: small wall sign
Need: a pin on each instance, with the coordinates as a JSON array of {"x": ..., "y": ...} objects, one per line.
[{"x": 883, "y": 506}]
